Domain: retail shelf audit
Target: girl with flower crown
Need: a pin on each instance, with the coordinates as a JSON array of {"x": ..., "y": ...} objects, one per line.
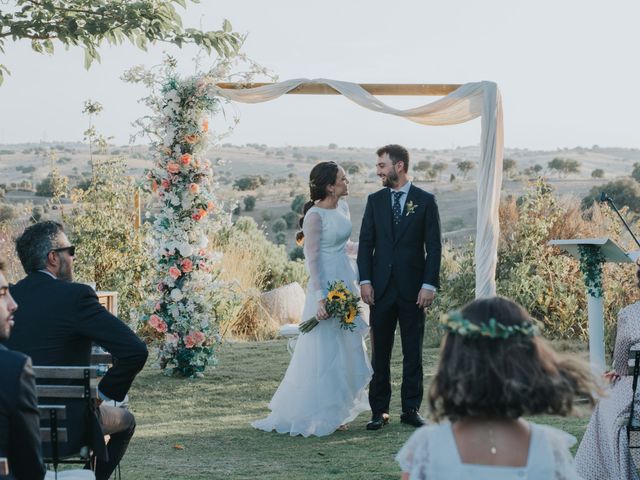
[{"x": 494, "y": 369}]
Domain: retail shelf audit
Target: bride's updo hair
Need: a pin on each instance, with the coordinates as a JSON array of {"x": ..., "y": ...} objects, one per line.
[{"x": 322, "y": 175}]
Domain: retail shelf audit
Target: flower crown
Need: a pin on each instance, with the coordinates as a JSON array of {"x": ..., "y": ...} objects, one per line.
[{"x": 454, "y": 322}]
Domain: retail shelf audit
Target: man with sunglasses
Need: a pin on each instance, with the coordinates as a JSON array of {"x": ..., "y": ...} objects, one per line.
[{"x": 57, "y": 323}]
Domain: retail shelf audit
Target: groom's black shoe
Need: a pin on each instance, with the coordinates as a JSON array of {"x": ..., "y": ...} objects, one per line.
[
  {"x": 378, "y": 420},
  {"x": 413, "y": 418}
]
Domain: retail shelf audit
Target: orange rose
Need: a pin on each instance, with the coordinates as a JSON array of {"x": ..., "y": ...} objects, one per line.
[
  {"x": 165, "y": 184},
  {"x": 173, "y": 167},
  {"x": 211, "y": 205},
  {"x": 191, "y": 138},
  {"x": 154, "y": 186},
  {"x": 194, "y": 188},
  {"x": 185, "y": 159},
  {"x": 205, "y": 125}
]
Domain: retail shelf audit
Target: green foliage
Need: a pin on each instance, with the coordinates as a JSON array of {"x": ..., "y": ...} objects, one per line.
[
  {"x": 292, "y": 219},
  {"x": 464, "y": 167},
  {"x": 635, "y": 173},
  {"x": 249, "y": 203},
  {"x": 272, "y": 259},
  {"x": 509, "y": 167},
  {"x": 597, "y": 173},
  {"x": 351, "y": 167},
  {"x": 624, "y": 192},
  {"x": 279, "y": 226},
  {"x": 249, "y": 182},
  {"x": 297, "y": 253},
  {"x": 111, "y": 252},
  {"x": 564, "y": 166},
  {"x": 90, "y": 23},
  {"x": 297, "y": 205},
  {"x": 7, "y": 212},
  {"x": 53, "y": 185}
]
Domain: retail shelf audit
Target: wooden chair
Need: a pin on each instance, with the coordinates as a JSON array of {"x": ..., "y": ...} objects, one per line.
[{"x": 65, "y": 383}]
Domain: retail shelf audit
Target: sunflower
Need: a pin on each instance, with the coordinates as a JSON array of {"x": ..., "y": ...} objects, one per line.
[
  {"x": 336, "y": 294},
  {"x": 351, "y": 315}
]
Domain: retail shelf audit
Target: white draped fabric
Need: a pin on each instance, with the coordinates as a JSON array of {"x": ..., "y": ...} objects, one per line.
[{"x": 471, "y": 100}]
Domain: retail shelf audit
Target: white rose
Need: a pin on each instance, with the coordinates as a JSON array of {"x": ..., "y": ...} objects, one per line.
[{"x": 176, "y": 295}]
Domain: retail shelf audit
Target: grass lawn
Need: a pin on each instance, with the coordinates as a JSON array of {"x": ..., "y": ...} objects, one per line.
[{"x": 199, "y": 429}]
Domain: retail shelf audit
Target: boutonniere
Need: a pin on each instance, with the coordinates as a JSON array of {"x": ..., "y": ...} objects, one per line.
[{"x": 411, "y": 208}]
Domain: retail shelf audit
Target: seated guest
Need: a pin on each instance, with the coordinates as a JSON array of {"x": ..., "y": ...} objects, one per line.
[
  {"x": 19, "y": 418},
  {"x": 604, "y": 450},
  {"x": 56, "y": 325},
  {"x": 493, "y": 370}
]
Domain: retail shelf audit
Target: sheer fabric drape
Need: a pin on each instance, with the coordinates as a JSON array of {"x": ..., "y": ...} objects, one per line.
[{"x": 471, "y": 100}]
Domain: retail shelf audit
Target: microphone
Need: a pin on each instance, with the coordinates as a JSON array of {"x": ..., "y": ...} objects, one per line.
[{"x": 606, "y": 198}]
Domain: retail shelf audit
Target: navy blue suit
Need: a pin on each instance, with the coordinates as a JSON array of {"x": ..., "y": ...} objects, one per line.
[
  {"x": 398, "y": 260},
  {"x": 19, "y": 418},
  {"x": 56, "y": 324}
]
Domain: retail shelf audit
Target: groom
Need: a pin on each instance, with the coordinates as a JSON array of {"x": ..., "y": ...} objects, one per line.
[{"x": 399, "y": 263}]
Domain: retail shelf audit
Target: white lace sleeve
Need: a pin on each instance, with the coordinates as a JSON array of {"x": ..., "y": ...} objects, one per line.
[
  {"x": 413, "y": 457},
  {"x": 561, "y": 442},
  {"x": 312, "y": 228}
]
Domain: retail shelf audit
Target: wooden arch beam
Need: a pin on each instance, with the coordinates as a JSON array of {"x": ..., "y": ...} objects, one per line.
[{"x": 433, "y": 89}]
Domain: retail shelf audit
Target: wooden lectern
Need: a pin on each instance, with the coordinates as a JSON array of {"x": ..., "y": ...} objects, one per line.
[{"x": 592, "y": 253}]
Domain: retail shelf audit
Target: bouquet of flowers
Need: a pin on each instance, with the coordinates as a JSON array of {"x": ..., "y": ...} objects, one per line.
[{"x": 341, "y": 304}]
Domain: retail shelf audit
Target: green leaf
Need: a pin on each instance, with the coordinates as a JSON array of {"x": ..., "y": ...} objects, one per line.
[{"x": 226, "y": 26}]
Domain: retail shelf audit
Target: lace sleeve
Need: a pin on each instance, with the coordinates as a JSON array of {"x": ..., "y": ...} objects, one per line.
[
  {"x": 561, "y": 442},
  {"x": 312, "y": 228},
  {"x": 413, "y": 457}
]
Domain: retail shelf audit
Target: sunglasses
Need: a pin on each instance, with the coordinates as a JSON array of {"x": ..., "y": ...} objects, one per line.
[{"x": 71, "y": 249}]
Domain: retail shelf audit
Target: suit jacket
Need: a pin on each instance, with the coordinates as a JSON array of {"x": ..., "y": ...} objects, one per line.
[
  {"x": 19, "y": 418},
  {"x": 56, "y": 324},
  {"x": 409, "y": 251}
]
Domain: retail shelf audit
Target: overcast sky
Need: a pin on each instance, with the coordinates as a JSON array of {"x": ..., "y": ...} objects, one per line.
[{"x": 568, "y": 71}]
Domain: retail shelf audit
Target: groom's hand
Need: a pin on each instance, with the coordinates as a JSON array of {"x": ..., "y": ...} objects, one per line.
[
  {"x": 425, "y": 297},
  {"x": 366, "y": 292}
]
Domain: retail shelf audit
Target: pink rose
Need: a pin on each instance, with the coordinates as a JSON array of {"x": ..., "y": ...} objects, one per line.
[
  {"x": 187, "y": 265},
  {"x": 171, "y": 339},
  {"x": 165, "y": 184},
  {"x": 158, "y": 307},
  {"x": 185, "y": 159},
  {"x": 173, "y": 167},
  {"x": 175, "y": 272},
  {"x": 189, "y": 341},
  {"x": 157, "y": 323},
  {"x": 194, "y": 188}
]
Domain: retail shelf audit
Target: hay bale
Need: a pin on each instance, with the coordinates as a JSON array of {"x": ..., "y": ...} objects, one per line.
[
  {"x": 252, "y": 321},
  {"x": 285, "y": 304}
]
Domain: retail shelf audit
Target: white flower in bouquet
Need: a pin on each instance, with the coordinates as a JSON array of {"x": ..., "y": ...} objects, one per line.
[{"x": 176, "y": 295}]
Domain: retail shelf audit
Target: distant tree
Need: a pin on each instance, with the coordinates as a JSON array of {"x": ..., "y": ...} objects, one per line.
[
  {"x": 333, "y": 146},
  {"x": 298, "y": 202},
  {"x": 249, "y": 203},
  {"x": 422, "y": 166},
  {"x": 266, "y": 215},
  {"x": 557, "y": 164},
  {"x": 597, "y": 173},
  {"x": 625, "y": 192},
  {"x": 635, "y": 174},
  {"x": 52, "y": 184},
  {"x": 452, "y": 178},
  {"x": 509, "y": 167},
  {"x": 90, "y": 23},
  {"x": 297, "y": 253},
  {"x": 281, "y": 238},
  {"x": 351, "y": 167},
  {"x": 464, "y": 167},
  {"x": 440, "y": 167},
  {"x": 279, "y": 225},
  {"x": 36, "y": 213},
  {"x": 571, "y": 166},
  {"x": 292, "y": 219},
  {"x": 248, "y": 182}
]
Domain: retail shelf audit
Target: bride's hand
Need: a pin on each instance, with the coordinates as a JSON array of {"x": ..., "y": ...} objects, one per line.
[{"x": 322, "y": 310}]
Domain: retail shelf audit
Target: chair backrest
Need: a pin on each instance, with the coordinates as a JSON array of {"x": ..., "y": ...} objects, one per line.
[{"x": 53, "y": 384}]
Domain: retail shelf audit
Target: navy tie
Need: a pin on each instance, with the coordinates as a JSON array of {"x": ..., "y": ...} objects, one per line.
[{"x": 396, "y": 210}]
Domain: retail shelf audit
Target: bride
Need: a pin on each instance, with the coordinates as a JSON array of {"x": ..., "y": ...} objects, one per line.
[{"x": 324, "y": 387}]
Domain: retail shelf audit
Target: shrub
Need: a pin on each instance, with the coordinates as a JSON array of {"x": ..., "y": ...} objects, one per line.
[
  {"x": 249, "y": 203},
  {"x": 597, "y": 173},
  {"x": 297, "y": 253},
  {"x": 7, "y": 213},
  {"x": 297, "y": 205},
  {"x": 279, "y": 225},
  {"x": 624, "y": 192},
  {"x": 248, "y": 183},
  {"x": 292, "y": 219}
]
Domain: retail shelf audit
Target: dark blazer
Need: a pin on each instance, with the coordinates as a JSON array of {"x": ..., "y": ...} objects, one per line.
[
  {"x": 410, "y": 251},
  {"x": 56, "y": 324},
  {"x": 19, "y": 418}
]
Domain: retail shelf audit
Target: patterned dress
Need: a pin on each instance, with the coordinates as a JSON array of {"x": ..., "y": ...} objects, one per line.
[{"x": 603, "y": 453}]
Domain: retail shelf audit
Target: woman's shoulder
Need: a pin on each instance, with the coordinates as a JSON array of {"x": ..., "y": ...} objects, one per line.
[{"x": 632, "y": 310}]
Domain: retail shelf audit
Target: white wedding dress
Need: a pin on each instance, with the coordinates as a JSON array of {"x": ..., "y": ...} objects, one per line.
[{"x": 326, "y": 381}]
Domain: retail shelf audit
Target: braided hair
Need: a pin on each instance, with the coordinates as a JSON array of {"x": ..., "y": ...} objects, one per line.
[{"x": 322, "y": 175}]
